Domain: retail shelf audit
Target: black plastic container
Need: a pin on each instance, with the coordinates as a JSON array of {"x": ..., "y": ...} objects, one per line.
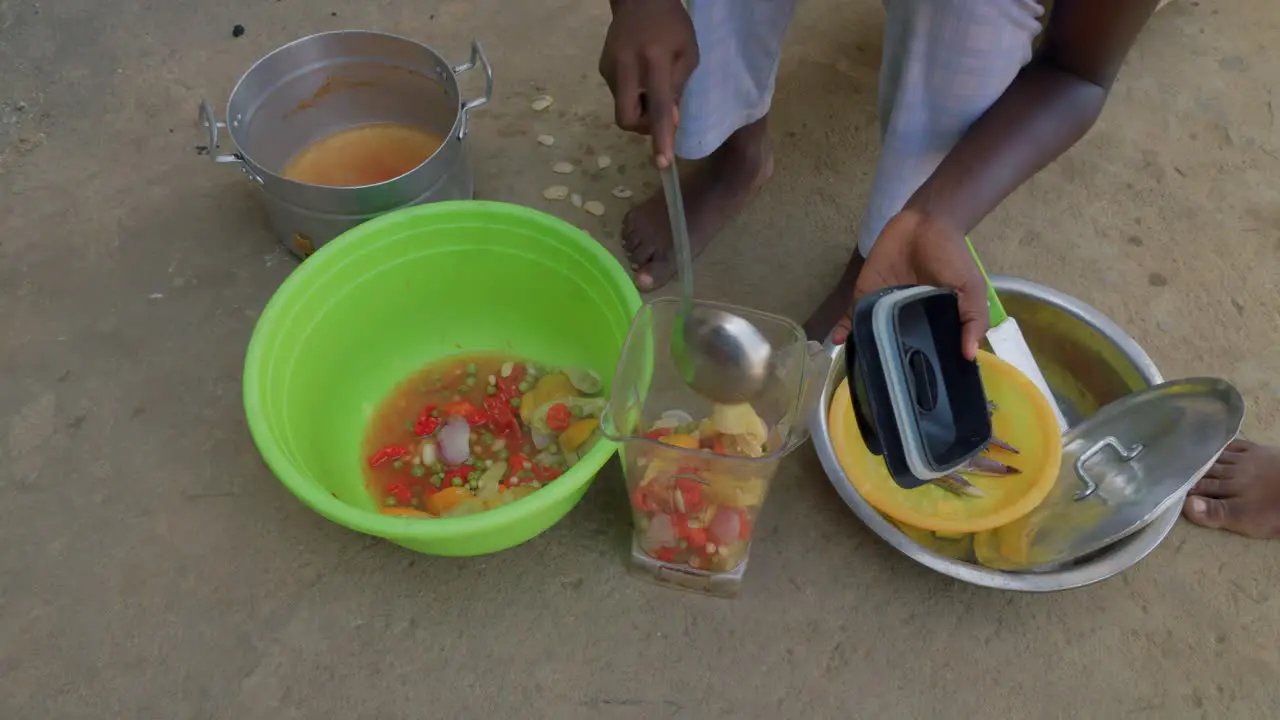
[{"x": 918, "y": 401}]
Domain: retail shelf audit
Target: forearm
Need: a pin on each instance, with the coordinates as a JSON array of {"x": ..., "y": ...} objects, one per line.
[{"x": 1042, "y": 114}]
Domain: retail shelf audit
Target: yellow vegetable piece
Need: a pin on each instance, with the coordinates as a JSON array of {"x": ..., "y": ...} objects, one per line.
[
  {"x": 555, "y": 386},
  {"x": 469, "y": 506},
  {"x": 443, "y": 501},
  {"x": 957, "y": 546},
  {"x": 403, "y": 512},
  {"x": 578, "y": 433},
  {"x": 735, "y": 492},
  {"x": 740, "y": 420},
  {"x": 687, "y": 442}
]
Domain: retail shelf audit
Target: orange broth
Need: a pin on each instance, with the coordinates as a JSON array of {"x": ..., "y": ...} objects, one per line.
[{"x": 473, "y": 388}]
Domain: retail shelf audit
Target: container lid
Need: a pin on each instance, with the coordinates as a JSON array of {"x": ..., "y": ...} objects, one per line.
[
  {"x": 918, "y": 401},
  {"x": 1120, "y": 469}
]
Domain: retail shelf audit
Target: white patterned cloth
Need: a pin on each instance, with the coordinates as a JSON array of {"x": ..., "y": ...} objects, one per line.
[{"x": 944, "y": 63}]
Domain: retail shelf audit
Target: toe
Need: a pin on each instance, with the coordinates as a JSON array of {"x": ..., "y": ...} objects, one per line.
[
  {"x": 1221, "y": 472},
  {"x": 1206, "y": 512},
  {"x": 842, "y": 329},
  {"x": 1233, "y": 514},
  {"x": 1216, "y": 487},
  {"x": 1239, "y": 445},
  {"x": 657, "y": 273},
  {"x": 640, "y": 256}
]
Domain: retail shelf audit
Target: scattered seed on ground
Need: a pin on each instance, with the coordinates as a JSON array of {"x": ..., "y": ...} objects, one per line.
[
  {"x": 604, "y": 161},
  {"x": 237, "y": 31},
  {"x": 546, "y": 140},
  {"x": 562, "y": 168},
  {"x": 556, "y": 192},
  {"x": 622, "y": 193},
  {"x": 542, "y": 102},
  {"x": 595, "y": 207},
  {"x": 576, "y": 199}
]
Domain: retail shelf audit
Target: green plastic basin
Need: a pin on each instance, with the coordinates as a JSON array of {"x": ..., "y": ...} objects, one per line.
[{"x": 391, "y": 296}]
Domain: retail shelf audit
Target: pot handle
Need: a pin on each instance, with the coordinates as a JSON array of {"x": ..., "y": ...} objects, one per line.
[
  {"x": 1126, "y": 454},
  {"x": 477, "y": 58},
  {"x": 211, "y": 123}
]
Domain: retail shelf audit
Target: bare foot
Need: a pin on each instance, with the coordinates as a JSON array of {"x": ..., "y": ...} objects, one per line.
[
  {"x": 834, "y": 316},
  {"x": 713, "y": 194},
  {"x": 1240, "y": 493}
]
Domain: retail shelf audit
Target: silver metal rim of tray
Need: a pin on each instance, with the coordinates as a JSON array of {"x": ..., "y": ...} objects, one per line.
[{"x": 1105, "y": 564}]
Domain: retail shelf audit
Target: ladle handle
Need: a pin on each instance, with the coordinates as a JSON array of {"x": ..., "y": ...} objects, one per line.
[{"x": 679, "y": 232}]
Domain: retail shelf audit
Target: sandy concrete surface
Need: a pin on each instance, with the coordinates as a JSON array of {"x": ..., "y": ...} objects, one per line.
[{"x": 150, "y": 567}]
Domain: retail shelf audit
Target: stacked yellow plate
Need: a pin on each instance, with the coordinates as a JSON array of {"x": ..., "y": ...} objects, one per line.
[{"x": 942, "y": 520}]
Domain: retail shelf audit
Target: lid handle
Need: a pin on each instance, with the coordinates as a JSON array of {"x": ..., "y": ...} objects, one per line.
[{"x": 1126, "y": 455}]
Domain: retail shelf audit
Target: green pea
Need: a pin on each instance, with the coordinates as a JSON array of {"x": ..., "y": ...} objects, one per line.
[
  {"x": 418, "y": 471},
  {"x": 473, "y": 484},
  {"x": 471, "y": 368},
  {"x": 389, "y": 501},
  {"x": 576, "y": 411},
  {"x": 503, "y": 454},
  {"x": 457, "y": 482},
  {"x": 684, "y": 545},
  {"x": 473, "y": 476},
  {"x": 437, "y": 480},
  {"x": 525, "y": 386},
  {"x": 515, "y": 402},
  {"x": 486, "y": 438},
  {"x": 408, "y": 424},
  {"x": 490, "y": 390},
  {"x": 471, "y": 381},
  {"x": 435, "y": 413},
  {"x": 415, "y": 502},
  {"x": 397, "y": 465}
]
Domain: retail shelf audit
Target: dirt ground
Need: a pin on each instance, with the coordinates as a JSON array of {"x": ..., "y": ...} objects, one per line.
[{"x": 150, "y": 566}]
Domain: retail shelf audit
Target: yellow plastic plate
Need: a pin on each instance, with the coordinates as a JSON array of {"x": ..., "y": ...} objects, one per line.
[{"x": 1024, "y": 420}]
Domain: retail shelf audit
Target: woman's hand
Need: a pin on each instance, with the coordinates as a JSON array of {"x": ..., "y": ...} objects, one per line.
[
  {"x": 648, "y": 56},
  {"x": 915, "y": 249}
]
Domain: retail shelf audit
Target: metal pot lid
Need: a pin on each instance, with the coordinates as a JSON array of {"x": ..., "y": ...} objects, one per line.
[{"x": 1120, "y": 469}]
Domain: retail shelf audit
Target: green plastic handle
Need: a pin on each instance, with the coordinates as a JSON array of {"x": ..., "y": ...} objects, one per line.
[{"x": 998, "y": 315}]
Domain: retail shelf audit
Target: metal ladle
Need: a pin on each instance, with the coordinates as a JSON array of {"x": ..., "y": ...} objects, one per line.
[{"x": 721, "y": 356}]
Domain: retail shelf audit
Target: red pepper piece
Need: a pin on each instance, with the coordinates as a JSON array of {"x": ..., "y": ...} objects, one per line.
[
  {"x": 545, "y": 473},
  {"x": 467, "y": 411},
  {"x": 517, "y": 462},
  {"x": 509, "y": 386},
  {"x": 426, "y": 422},
  {"x": 400, "y": 492},
  {"x": 461, "y": 472},
  {"x": 666, "y": 554},
  {"x": 390, "y": 452},
  {"x": 503, "y": 420},
  {"x": 745, "y": 524},
  {"x": 695, "y": 537},
  {"x": 559, "y": 417},
  {"x": 658, "y": 434},
  {"x": 640, "y": 501},
  {"x": 690, "y": 495}
]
